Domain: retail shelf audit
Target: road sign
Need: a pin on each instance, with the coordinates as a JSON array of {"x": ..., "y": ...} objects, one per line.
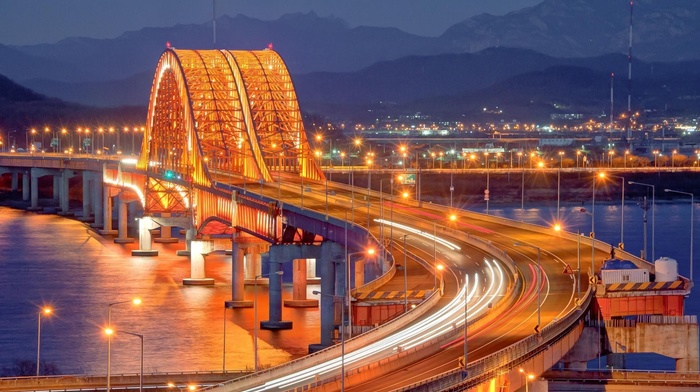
[
  {"x": 486, "y": 195},
  {"x": 568, "y": 270},
  {"x": 408, "y": 179}
]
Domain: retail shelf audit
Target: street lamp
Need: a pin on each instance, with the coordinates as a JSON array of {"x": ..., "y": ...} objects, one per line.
[
  {"x": 527, "y": 377},
  {"x": 673, "y": 158},
  {"x": 488, "y": 180},
  {"x": 342, "y": 339},
  {"x": 255, "y": 316},
  {"x": 692, "y": 204},
  {"x": 539, "y": 301},
  {"x": 135, "y": 301},
  {"x": 653, "y": 208},
  {"x": 405, "y": 275},
  {"x": 621, "y": 245},
  {"x": 583, "y": 210},
  {"x": 47, "y": 312},
  {"x": 110, "y": 332}
]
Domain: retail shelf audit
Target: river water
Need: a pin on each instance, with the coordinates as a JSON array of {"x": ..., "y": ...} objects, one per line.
[{"x": 48, "y": 260}]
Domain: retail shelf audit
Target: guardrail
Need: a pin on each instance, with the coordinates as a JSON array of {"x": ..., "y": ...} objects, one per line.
[{"x": 404, "y": 357}]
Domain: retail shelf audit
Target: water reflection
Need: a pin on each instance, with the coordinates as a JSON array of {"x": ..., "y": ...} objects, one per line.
[{"x": 45, "y": 259}]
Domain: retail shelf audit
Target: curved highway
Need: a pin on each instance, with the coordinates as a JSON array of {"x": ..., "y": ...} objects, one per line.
[{"x": 488, "y": 279}]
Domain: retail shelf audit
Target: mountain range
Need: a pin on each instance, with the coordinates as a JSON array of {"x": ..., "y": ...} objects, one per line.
[{"x": 336, "y": 66}]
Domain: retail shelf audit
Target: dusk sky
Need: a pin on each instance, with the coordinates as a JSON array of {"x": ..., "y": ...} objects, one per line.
[{"x": 46, "y": 21}]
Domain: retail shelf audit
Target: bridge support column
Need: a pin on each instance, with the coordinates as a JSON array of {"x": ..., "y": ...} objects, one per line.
[
  {"x": 25, "y": 185},
  {"x": 122, "y": 222},
  {"x": 277, "y": 256},
  {"x": 189, "y": 236},
  {"x": 332, "y": 255},
  {"x": 299, "y": 276},
  {"x": 15, "y": 181},
  {"x": 34, "y": 179},
  {"x": 199, "y": 249},
  {"x": 64, "y": 191},
  {"x": 107, "y": 213},
  {"x": 253, "y": 264},
  {"x": 145, "y": 249},
  {"x": 96, "y": 199},
  {"x": 87, "y": 177},
  {"x": 166, "y": 236},
  {"x": 238, "y": 276},
  {"x": 56, "y": 188}
]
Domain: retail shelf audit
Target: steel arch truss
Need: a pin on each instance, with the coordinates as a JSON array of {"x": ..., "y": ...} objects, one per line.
[{"x": 220, "y": 112}]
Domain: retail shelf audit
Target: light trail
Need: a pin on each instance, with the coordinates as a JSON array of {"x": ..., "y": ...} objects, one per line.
[
  {"x": 439, "y": 323},
  {"x": 429, "y": 236}
]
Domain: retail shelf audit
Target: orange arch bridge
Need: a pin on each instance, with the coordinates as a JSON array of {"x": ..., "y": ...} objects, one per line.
[{"x": 218, "y": 118}]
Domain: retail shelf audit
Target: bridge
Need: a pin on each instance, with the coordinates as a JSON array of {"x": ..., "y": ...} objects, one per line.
[{"x": 225, "y": 157}]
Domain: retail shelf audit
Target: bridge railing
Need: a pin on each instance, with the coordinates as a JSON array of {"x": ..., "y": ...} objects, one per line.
[{"x": 394, "y": 362}]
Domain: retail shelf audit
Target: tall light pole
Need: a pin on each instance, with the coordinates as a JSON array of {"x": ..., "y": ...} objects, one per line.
[
  {"x": 47, "y": 312},
  {"x": 110, "y": 332},
  {"x": 622, "y": 212},
  {"x": 692, "y": 205},
  {"x": 466, "y": 318},
  {"x": 342, "y": 340},
  {"x": 527, "y": 378},
  {"x": 539, "y": 299},
  {"x": 653, "y": 209},
  {"x": 255, "y": 316},
  {"x": 135, "y": 301},
  {"x": 558, "y": 193},
  {"x": 583, "y": 210},
  {"x": 405, "y": 276},
  {"x": 488, "y": 178}
]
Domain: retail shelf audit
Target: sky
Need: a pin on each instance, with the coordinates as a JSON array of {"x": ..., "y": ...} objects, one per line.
[{"x": 24, "y": 22}]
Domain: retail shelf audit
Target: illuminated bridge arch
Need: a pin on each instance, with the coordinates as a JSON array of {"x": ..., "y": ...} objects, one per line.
[{"x": 223, "y": 112}]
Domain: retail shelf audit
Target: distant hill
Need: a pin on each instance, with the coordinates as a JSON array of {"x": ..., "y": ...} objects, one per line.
[
  {"x": 22, "y": 108},
  {"x": 482, "y": 76},
  {"x": 664, "y": 31}
]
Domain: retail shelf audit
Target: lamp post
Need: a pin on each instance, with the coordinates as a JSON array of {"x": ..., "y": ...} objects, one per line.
[
  {"x": 342, "y": 340},
  {"x": 539, "y": 301},
  {"x": 558, "y": 193},
  {"x": 488, "y": 180},
  {"x": 135, "y": 301},
  {"x": 110, "y": 332},
  {"x": 653, "y": 208},
  {"x": 583, "y": 210},
  {"x": 255, "y": 316},
  {"x": 47, "y": 312},
  {"x": 527, "y": 378},
  {"x": 673, "y": 158},
  {"x": 223, "y": 362},
  {"x": 405, "y": 276},
  {"x": 621, "y": 245},
  {"x": 692, "y": 204},
  {"x": 466, "y": 317}
]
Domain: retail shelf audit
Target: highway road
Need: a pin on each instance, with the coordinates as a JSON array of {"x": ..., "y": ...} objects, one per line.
[{"x": 556, "y": 290}]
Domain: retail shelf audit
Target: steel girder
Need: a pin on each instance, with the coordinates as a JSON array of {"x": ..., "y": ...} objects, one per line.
[{"x": 220, "y": 111}]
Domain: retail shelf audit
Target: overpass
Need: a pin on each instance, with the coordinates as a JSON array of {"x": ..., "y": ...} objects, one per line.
[{"x": 225, "y": 155}]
